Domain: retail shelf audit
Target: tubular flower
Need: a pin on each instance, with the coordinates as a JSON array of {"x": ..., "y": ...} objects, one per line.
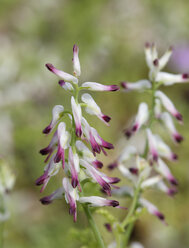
[
  {"x": 57, "y": 113},
  {"x": 51, "y": 169},
  {"x": 168, "y": 105},
  {"x": 96, "y": 201},
  {"x": 168, "y": 122},
  {"x": 68, "y": 145},
  {"x": 76, "y": 110},
  {"x": 152, "y": 145},
  {"x": 99, "y": 87},
  {"x": 93, "y": 109},
  {"x": 152, "y": 209},
  {"x": 139, "y": 85},
  {"x": 141, "y": 119},
  {"x": 63, "y": 143}
]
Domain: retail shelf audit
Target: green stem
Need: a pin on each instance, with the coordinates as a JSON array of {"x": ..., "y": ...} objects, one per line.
[
  {"x": 126, "y": 237},
  {"x": 85, "y": 207},
  {"x": 93, "y": 227},
  {"x": 2, "y": 235},
  {"x": 130, "y": 226}
]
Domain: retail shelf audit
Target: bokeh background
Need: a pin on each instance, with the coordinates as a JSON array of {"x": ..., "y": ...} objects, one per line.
[{"x": 111, "y": 36}]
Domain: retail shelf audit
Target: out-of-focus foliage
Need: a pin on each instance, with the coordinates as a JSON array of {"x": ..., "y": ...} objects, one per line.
[{"x": 111, "y": 35}]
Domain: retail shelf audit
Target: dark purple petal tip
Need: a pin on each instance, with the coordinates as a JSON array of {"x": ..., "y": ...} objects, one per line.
[
  {"x": 124, "y": 85},
  {"x": 47, "y": 129},
  {"x": 98, "y": 164},
  {"x": 61, "y": 83},
  {"x": 75, "y": 48},
  {"x": 107, "y": 145},
  {"x": 147, "y": 45},
  {"x": 185, "y": 76},
  {"x": 50, "y": 67},
  {"x": 44, "y": 151},
  {"x": 174, "y": 156},
  {"x": 114, "y": 88},
  {"x": 133, "y": 170},
  {"x": 46, "y": 200},
  {"x": 178, "y": 116},
  {"x": 155, "y": 157},
  {"x": 172, "y": 192},
  {"x": 74, "y": 182},
  {"x": 160, "y": 215},
  {"x": 39, "y": 181},
  {"x": 178, "y": 138},
  {"x": 113, "y": 166},
  {"x": 106, "y": 118},
  {"x": 115, "y": 180},
  {"x": 135, "y": 128},
  {"x": 114, "y": 203},
  {"x": 156, "y": 62},
  {"x": 108, "y": 227},
  {"x": 78, "y": 132},
  {"x": 173, "y": 181},
  {"x": 128, "y": 133}
]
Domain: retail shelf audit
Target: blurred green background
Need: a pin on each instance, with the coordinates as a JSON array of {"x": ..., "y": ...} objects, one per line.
[{"x": 111, "y": 36}]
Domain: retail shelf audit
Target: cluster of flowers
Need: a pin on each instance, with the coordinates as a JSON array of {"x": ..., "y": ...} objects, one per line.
[
  {"x": 67, "y": 148},
  {"x": 150, "y": 168},
  {"x": 7, "y": 180}
]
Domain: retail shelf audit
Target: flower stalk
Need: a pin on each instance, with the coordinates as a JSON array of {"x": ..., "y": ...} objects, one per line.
[
  {"x": 69, "y": 148},
  {"x": 150, "y": 161}
]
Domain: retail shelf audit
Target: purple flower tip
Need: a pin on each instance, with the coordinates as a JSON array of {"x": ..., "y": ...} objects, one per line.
[
  {"x": 178, "y": 138},
  {"x": 44, "y": 151},
  {"x": 124, "y": 85},
  {"x": 160, "y": 215},
  {"x": 174, "y": 156},
  {"x": 106, "y": 118},
  {"x": 173, "y": 181},
  {"x": 134, "y": 128},
  {"x": 114, "y": 203},
  {"x": 156, "y": 62},
  {"x": 113, "y": 166},
  {"x": 172, "y": 192},
  {"x": 78, "y": 132},
  {"x": 147, "y": 45},
  {"x": 45, "y": 200},
  {"x": 61, "y": 83},
  {"x": 128, "y": 133},
  {"x": 98, "y": 164},
  {"x": 47, "y": 129},
  {"x": 185, "y": 76},
  {"x": 74, "y": 182},
  {"x": 155, "y": 157},
  {"x": 108, "y": 227},
  {"x": 115, "y": 180},
  {"x": 178, "y": 116},
  {"x": 41, "y": 180},
  {"x": 50, "y": 67},
  {"x": 75, "y": 48},
  {"x": 114, "y": 87},
  {"x": 108, "y": 145},
  {"x": 133, "y": 170}
]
